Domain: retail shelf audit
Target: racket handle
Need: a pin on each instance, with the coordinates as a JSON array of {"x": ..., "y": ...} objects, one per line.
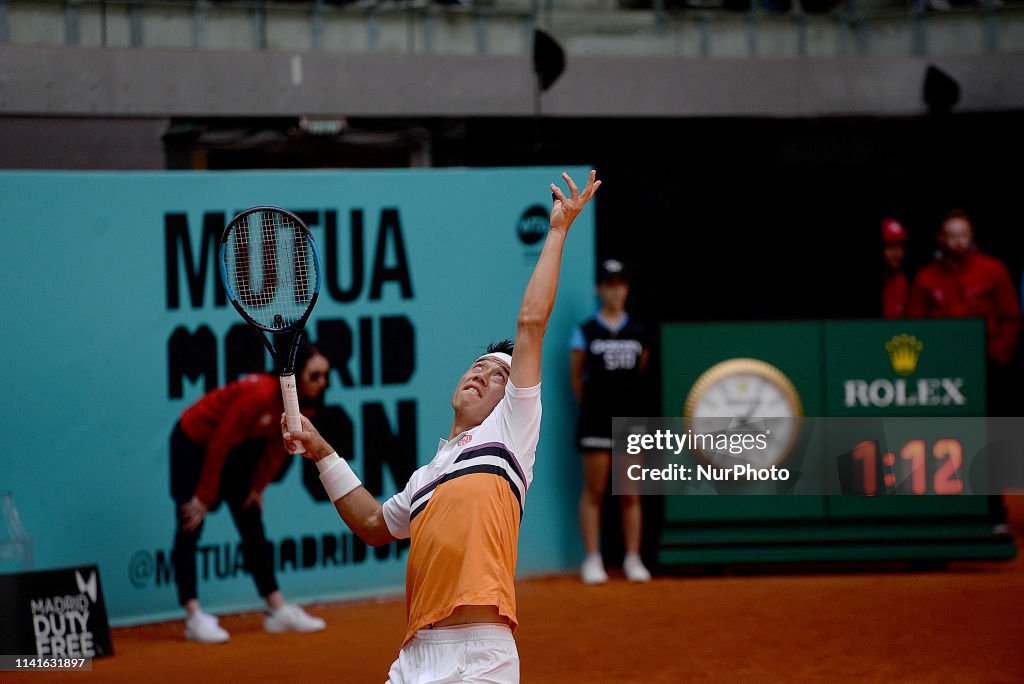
[{"x": 291, "y": 408}]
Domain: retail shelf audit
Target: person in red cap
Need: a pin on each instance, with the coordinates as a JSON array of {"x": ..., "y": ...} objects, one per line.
[{"x": 894, "y": 280}]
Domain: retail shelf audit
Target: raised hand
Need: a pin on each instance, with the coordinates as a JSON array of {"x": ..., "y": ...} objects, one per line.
[{"x": 565, "y": 210}]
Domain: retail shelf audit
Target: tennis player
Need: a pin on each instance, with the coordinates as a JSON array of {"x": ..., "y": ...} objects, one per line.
[{"x": 463, "y": 509}]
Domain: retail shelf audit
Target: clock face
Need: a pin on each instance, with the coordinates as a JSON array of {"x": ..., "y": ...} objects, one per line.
[{"x": 744, "y": 396}]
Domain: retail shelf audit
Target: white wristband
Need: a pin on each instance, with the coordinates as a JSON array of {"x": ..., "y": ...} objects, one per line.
[{"x": 336, "y": 476}]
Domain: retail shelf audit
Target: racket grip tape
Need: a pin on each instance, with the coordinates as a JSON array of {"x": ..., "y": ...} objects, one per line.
[{"x": 290, "y": 396}]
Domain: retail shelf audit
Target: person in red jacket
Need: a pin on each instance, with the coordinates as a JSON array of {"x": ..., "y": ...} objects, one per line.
[
  {"x": 894, "y": 280},
  {"x": 227, "y": 447},
  {"x": 963, "y": 282}
]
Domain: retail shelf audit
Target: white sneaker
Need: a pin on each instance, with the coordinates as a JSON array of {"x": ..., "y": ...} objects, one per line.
[
  {"x": 592, "y": 570},
  {"x": 635, "y": 569},
  {"x": 291, "y": 618},
  {"x": 203, "y": 627}
]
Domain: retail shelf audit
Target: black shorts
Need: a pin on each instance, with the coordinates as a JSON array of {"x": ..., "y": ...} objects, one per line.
[{"x": 594, "y": 431}]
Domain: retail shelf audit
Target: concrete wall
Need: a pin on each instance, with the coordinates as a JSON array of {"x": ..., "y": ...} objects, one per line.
[{"x": 109, "y": 82}]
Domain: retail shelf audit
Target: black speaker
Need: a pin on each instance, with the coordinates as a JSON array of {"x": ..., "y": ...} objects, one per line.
[
  {"x": 548, "y": 59},
  {"x": 941, "y": 91}
]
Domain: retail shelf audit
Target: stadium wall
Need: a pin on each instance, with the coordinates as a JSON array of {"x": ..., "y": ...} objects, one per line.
[{"x": 96, "y": 82}]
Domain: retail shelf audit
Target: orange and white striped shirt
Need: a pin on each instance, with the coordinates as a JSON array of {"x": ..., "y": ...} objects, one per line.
[{"x": 462, "y": 512}]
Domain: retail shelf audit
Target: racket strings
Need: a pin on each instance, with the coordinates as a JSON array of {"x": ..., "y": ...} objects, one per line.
[{"x": 269, "y": 265}]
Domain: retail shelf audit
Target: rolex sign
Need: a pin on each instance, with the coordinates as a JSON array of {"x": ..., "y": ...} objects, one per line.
[{"x": 905, "y": 368}]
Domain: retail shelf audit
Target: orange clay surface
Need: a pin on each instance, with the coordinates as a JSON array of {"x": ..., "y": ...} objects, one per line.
[{"x": 963, "y": 623}]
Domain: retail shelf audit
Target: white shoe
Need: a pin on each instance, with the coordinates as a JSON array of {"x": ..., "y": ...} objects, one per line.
[
  {"x": 203, "y": 627},
  {"x": 592, "y": 570},
  {"x": 291, "y": 618},
  {"x": 635, "y": 569}
]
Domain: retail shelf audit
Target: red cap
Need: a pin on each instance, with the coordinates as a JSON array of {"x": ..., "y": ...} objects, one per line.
[{"x": 893, "y": 231}]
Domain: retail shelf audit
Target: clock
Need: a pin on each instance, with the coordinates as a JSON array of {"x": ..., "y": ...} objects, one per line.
[{"x": 743, "y": 396}]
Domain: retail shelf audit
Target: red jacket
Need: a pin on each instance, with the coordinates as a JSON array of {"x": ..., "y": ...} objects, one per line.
[
  {"x": 979, "y": 287},
  {"x": 894, "y": 294},
  {"x": 245, "y": 409}
]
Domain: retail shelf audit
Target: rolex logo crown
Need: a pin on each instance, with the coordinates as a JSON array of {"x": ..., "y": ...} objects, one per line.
[{"x": 904, "y": 351}]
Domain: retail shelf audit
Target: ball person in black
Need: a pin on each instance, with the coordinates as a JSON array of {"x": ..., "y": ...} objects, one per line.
[{"x": 608, "y": 356}]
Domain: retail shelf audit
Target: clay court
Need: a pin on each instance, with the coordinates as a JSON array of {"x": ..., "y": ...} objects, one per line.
[{"x": 877, "y": 623}]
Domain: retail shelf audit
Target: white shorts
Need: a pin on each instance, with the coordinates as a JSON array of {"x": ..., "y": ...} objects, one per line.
[{"x": 467, "y": 653}]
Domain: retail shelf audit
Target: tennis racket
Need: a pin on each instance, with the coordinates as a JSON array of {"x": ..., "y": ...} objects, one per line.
[{"x": 270, "y": 268}]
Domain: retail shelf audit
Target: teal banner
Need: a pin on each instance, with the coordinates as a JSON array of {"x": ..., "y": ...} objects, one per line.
[{"x": 114, "y": 323}]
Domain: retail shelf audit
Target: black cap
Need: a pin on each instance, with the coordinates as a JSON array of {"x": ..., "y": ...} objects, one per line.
[{"x": 610, "y": 269}]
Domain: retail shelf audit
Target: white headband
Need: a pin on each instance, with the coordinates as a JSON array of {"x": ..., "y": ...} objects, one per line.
[{"x": 500, "y": 356}]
